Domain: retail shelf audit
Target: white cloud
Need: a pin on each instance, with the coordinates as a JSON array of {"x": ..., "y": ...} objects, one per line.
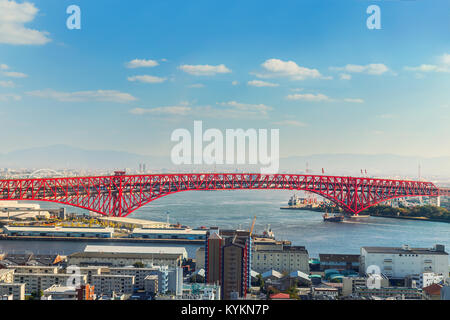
[
  {"x": 80, "y": 96},
  {"x": 259, "y": 83},
  {"x": 235, "y": 83},
  {"x": 445, "y": 58},
  {"x": 372, "y": 69},
  {"x": 442, "y": 66},
  {"x": 293, "y": 123},
  {"x": 196, "y": 85},
  {"x": 141, "y": 63},
  {"x": 204, "y": 70},
  {"x": 146, "y": 79},
  {"x": 9, "y": 96},
  {"x": 289, "y": 69},
  {"x": 7, "y": 84},
  {"x": 354, "y": 100},
  {"x": 308, "y": 97},
  {"x": 261, "y": 109},
  {"x": 13, "y": 74},
  {"x": 231, "y": 109},
  {"x": 3, "y": 67},
  {"x": 170, "y": 110},
  {"x": 345, "y": 76},
  {"x": 13, "y": 17}
]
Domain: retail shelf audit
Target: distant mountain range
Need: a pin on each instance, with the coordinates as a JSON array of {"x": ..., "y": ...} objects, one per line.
[{"x": 66, "y": 157}]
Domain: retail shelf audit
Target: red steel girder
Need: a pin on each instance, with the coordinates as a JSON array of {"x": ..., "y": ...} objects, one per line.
[{"x": 121, "y": 195}]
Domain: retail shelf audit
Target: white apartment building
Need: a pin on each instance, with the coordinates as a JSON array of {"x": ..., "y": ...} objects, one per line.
[
  {"x": 349, "y": 284},
  {"x": 57, "y": 292},
  {"x": 88, "y": 271},
  {"x": 17, "y": 290},
  {"x": 281, "y": 258},
  {"x": 425, "y": 279},
  {"x": 398, "y": 263},
  {"x": 36, "y": 282},
  {"x": 122, "y": 256},
  {"x": 106, "y": 284},
  {"x": 34, "y": 269}
]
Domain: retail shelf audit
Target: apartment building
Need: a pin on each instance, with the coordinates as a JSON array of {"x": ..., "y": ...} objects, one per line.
[
  {"x": 107, "y": 284},
  {"x": 37, "y": 282},
  {"x": 17, "y": 290},
  {"x": 280, "y": 257}
]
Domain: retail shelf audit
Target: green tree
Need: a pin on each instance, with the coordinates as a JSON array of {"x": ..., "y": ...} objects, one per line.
[{"x": 138, "y": 264}]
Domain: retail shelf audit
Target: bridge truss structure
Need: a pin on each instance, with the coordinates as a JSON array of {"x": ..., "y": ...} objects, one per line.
[{"x": 119, "y": 195}]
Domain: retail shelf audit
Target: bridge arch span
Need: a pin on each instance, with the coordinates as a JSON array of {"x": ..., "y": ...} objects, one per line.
[{"x": 120, "y": 195}]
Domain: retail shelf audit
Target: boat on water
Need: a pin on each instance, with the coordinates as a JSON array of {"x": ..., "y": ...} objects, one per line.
[
  {"x": 297, "y": 203},
  {"x": 359, "y": 216},
  {"x": 333, "y": 218}
]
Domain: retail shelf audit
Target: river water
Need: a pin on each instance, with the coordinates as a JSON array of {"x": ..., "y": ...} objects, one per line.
[{"x": 236, "y": 209}]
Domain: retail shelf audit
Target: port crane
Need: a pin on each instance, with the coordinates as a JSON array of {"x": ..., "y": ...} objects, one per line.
[{"x": 253, "y": 226}]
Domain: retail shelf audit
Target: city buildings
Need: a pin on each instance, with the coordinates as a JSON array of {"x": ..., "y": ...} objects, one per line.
[
  {"x": 400, "y": 293},
  {"x": 17, "y": 290},
  {"x": 15, "y": 210},
  {"x": 108, "y": 284},
  {"x": 34, "y": 269},
  {"x": 79, "y": 232},
  {"x": 37, "y": 282},
  {"x": 170, "y": 280},
  {"x": 151, "y": 284},
  {"x": 201, "y": 291},
  {"x": 29, "y": 259},
  {"x": 228, "y": 261},
  {"x": 349, "y": 284},
  {"x": 117, "y": 256},
  {"x": 58, "y": 292},
  {"x": 398, "y": 263},
  {"x": 281, "y": 257},
  {"x": 424, "y": 279},
  {"x": 132, "y": 223},
  {"x": 339, "y": 261},
  {"x": 184, "y": 234}
]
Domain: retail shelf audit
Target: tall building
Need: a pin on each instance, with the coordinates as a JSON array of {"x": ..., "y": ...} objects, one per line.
[{"x": 228, "y": 261}]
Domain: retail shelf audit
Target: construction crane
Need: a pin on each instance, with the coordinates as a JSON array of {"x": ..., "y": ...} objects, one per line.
[{"x": 253, "y": 225}]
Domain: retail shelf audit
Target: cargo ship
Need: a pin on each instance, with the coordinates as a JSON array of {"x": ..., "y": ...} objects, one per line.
[
  {"x": 297, "y": 203},
  {"x": 333, "y": 218}
]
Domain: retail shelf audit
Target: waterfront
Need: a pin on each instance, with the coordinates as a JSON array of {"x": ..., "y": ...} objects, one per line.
[{"x": 234, "y": 209}]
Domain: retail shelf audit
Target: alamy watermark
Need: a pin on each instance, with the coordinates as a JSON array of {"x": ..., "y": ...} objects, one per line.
[
  {"x": 235, "y": 147},
  {"x": 74, "y": 20},
  {"x": 374, "y": 277}
]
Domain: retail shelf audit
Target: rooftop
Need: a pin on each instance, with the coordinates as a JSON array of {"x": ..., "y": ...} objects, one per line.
[
  {"x": 125, "y": 255},
  {"x": 170, "y": 231},
  {"x": 146, "y": 223},
  {"x": 60, "y": 289},
  {"x": 279, "y": 296},
  {"x": 404, "y": 250},
  {"x": 434, "y": 289},
  {"x": 135, "y": 249},
  {"x": 58, "y": 229}
]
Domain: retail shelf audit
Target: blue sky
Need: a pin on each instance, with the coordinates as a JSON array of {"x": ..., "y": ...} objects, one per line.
[{"x": 310, "y": 68}]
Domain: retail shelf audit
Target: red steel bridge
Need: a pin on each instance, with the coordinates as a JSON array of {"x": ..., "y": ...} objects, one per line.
[{"x": 119, "y": 195}]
